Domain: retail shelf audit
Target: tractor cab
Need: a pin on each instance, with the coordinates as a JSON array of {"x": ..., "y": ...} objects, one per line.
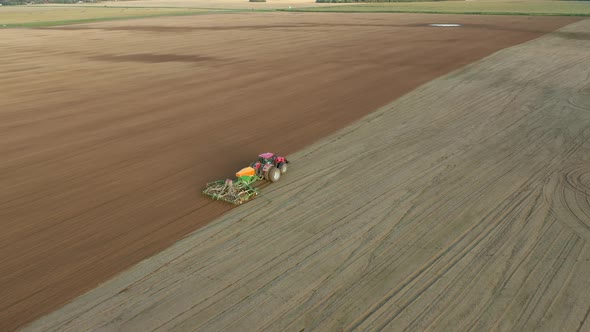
[{"x": 266, "y": 158}]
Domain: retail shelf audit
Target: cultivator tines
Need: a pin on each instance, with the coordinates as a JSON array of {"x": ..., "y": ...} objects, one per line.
[{"x": 234, "y": 192}]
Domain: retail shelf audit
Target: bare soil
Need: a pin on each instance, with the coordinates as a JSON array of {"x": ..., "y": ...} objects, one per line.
[
  {"x": 110, "y": 130},
  {"x": 462, "y": 206}
]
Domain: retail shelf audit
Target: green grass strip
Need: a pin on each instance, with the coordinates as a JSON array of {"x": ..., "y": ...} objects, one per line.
[{"x": 425, "y": 11}]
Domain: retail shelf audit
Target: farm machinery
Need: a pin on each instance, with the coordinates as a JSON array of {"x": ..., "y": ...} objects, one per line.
[{"x": 268, "y": 167}]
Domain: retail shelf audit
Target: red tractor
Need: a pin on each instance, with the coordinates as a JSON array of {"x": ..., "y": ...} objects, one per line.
[{"x": 270, "y": 166}]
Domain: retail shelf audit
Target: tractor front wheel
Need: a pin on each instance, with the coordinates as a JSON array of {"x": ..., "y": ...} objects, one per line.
[
  {"x": 283, "y": 168},
  {"x": 273, "y": 174}
]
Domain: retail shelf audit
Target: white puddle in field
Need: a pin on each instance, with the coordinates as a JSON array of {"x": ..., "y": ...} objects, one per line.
[{"x": 444, "y": 25}]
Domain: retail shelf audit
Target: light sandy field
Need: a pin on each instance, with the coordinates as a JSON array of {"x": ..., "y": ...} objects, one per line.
[
  {"x": 225, "y": 4},
  {"x": 39, "y": 14},
  {"x": 60, "y": 14},
  {"x": 464, "y": 205},
  {"x": 110, "y": 130}
]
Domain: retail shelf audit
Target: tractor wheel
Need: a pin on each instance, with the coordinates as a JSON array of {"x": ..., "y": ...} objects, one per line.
[
  {"x": 273, "y": 174},
  {"x": 283, "y": 168}
]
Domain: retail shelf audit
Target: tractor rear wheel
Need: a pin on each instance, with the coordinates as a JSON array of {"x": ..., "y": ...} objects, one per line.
[
  {"x": 273, "y": 174},
  {"x": 283, "y": 168}
]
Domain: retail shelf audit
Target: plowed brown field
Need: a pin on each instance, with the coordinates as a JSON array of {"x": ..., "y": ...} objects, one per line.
[{"x": 108, "y": 131}]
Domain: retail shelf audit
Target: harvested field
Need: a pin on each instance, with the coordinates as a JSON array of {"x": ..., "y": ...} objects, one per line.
[
  {"x": 110, "y": 130},
  {"x": 56, "y": 15},
  {"x": 464, "y": 205},
  {"x": 225, "y": 4}
]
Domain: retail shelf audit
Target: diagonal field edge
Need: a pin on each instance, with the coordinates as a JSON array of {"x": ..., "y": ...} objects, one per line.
[{"x": 110, "y": 304}]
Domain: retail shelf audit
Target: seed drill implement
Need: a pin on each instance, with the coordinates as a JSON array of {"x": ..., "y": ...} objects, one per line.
[{"x": 268, "y": 167}]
